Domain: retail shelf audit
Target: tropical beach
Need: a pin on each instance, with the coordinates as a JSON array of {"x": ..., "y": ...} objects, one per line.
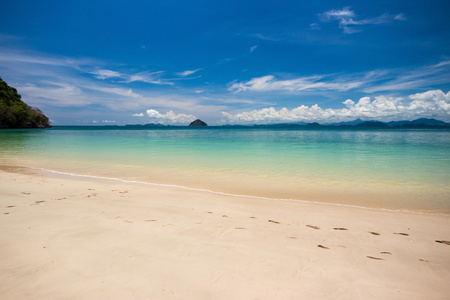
[
  {"x": 245, "y": 149},
  {"x": 224, "y": 213},
  {"x": 83, "y": 238}
]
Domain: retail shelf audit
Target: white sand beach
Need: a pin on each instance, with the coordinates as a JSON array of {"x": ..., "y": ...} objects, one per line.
[{"x": 65, "y": 237}]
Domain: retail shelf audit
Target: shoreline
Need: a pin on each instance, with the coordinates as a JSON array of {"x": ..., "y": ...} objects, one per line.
[
  {"x": 329, "y": 196},
  {"x": 77, "y": 237},
  {"x": 237, "y": 195}
]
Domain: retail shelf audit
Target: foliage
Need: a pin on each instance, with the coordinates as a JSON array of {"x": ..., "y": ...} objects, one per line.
[{"x": 14, "y": 113}]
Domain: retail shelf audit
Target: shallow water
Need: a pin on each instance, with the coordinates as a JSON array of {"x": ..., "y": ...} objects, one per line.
[{"x": 394, "y": 169}]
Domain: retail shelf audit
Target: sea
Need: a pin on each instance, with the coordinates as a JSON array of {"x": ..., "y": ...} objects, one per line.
[{"x": 393, "y": 169}]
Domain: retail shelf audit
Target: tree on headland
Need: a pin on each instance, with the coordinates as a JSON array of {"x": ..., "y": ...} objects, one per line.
[{"x": 14, "y": 113}]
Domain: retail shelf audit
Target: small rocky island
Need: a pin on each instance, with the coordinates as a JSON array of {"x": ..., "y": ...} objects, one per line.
[
  {"x": 198, "y": 122},
  {"x": 14, "y": 113}
]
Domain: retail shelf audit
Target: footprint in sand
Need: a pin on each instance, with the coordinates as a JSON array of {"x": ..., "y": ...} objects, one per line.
[
  {"x": 292, "y": 237},
  {"x": 375, "y": 258},
  {"x": 401, "y": 233},
  {"x": 385, "y": 252},
  {"x": 272, "y": 221},
  {"x": 150, "y": 220},
  {"x": 322, "y": 246},
  {"x": 443, "y": 242},
  {"x": 374, "y": 233},
  {"x": 313, "y": 227},
  {"x": 10, "y": 206},
  {"x": 424, "y": 260},
  {"x": 25, "y": 193},
  {"x": 240, "y": 228},
  {"x": 340, "y": 228}
]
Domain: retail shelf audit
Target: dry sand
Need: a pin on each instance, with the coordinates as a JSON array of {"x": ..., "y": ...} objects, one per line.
[{"x": 67, "y": 237}]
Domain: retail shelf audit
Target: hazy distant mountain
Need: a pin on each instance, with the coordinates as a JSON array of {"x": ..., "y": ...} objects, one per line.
[
  {"x": 145, "y": 125},
  {"x": 372, "y": 124},
  {"x": 358, "y": 123},
  {"x": 421, "y": 121},
  {"x": 349, "y": 123}
]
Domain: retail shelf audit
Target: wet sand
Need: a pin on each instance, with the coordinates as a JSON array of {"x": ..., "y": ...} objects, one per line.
[{"x": 69, "y": 237}]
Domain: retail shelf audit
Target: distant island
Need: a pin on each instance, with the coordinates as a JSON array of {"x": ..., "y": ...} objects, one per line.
[
  {"x": 198, "y": 122},
  {"x": 422, "y": 123},
  {"x": 145, "y": 125},
  {"x": 14, "y": 113}
]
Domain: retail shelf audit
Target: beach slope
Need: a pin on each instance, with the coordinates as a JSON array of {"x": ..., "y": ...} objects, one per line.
[{"x": 66, "y": 237}]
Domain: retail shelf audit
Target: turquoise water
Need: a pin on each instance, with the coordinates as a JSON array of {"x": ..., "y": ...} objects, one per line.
[{"x": 394, "y": 169}]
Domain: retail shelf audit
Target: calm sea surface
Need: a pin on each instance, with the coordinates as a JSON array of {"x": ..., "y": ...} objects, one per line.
[{"x": 394, "y": 169}]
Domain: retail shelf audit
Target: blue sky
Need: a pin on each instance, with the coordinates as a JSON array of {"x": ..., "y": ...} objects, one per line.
[{"x": 237, "y": 62}]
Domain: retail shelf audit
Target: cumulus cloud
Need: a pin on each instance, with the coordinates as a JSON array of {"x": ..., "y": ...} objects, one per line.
[
  {"x": 433, "y": 103},
  {"x": 349, "y": 22},
  {"x": 167, "y": 118}
]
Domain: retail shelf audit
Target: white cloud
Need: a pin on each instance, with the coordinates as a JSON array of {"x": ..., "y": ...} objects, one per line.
[
  {"x": 108, "y": 121},
  {"x": 253, "y": 48},
  {"x": 188, "y": 72},
  {"x": 115, "y": 91},
  {"x": 14, "y": 56},
  {"x": 314, "y": 26},
  {"x": 403, "y": 79},
  {"x": 54, "y": 93},
  {"x": 433, "y": 103},
  {"x": 316, "y": 82},
  {"x": 104, "y": 74},
  {"x": 153, "y": 77},
  {"x": 138, "y": 115},
  {"x": 148, "y": 77},
  {"x": 170, "y": 117},
  {"x": 369, "y": 82},
  {"x": 349, "y": 22},
  {"x": 400, "y": 17},
  {"x": 265, "y": 37}
]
